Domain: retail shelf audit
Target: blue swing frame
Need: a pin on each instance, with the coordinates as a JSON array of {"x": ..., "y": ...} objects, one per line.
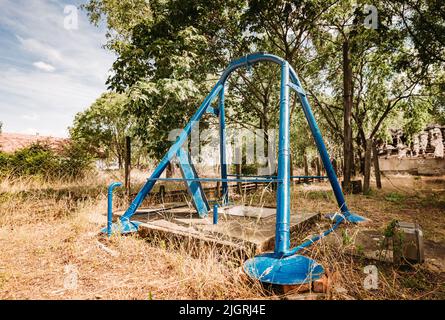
[{"x": 289, "y": 81}]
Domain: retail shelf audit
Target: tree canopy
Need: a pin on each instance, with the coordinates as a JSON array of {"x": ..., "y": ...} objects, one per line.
[
  {"x": 169, "y": 53},
  {"x": 102, "y": 127}
]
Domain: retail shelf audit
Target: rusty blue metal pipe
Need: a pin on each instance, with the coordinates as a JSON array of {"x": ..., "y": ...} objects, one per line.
[
  {"x": 110, "y": 207},
  {"x": 215, "y": 213},
  {"x": 282, "y": 228}
]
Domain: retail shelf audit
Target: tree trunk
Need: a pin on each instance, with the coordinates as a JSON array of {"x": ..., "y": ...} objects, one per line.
[
  {"x": 375, "y": 154},
  {"x": 335, "y": 166},
  {"x": 119, "y": 161},
  {"x": 306, "y": 168},
  {"x": 291, "y": 157},
  {"x": 367, "y": 173},
  {"x": 347, "y": 105},
  {"x": 238, "y": 176},
  {"x": 265, "y": 127},
  {"x": 217, "y": 190},
  {"x": 170, "y": 170},
  {"x": 342, "y": 165},
  {"x": 360, "y": 150},
  {"x": 318, "y": 166},
  {"x": 127, "y": 165}
]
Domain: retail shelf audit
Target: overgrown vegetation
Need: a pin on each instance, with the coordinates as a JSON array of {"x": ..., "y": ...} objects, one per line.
[
  {"x": 361, "y": 80},
  {"x": 41, "y": 160},
  {"x": 43, "y": 231}
]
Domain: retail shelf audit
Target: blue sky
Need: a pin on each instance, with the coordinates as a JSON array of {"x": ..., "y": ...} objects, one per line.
[{"x": 48, "y": 73}]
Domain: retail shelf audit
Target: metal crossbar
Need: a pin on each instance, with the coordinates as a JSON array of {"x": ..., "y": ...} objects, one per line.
[
  {"x": 215, "y": 180},
  {"x": 292, "y": 177}
]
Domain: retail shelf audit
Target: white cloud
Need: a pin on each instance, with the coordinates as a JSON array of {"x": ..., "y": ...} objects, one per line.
[
  {"x": 31, "y": 117},
  {"x": 35, "y": 131},
  {"x": 75, "y": 64},
  {"x": 40, "y": 49},
  {"x": 44, "y": 66}
]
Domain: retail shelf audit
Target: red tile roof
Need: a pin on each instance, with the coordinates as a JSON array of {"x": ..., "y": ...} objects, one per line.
[{"x": 10, "y": 142}]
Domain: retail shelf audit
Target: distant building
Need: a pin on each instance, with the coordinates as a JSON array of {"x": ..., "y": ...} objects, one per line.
[
  {"x": 422, "y": 153},
  {"x": 429, "y": 143},
  {"x": 11, "y": 142}
]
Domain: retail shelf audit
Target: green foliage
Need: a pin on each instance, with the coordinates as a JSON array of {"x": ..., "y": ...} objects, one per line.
[
  {"x": 391, "y": 229},
  {"x": 417, "y": 115},
  {"x": 4, "y": 159},
  {"x": 164, "y": 59},
  {"x": 392, "y": 233},
  {"x": 395, "y": 197},
  {"x": 360, "y": 250},
  {"x": 33, "y": 160},
  {"x": 41, "y": 160},
  {"x": 101, "y": 129},
  {"x": 346, "y": 238},
  {"x": 157, "y": 107},
  {"x": 169, "y": 50},
  {"x": 424, "y": 22}
]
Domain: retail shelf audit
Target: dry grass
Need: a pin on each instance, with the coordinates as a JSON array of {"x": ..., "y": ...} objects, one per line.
[
  {"x": 39, "y": 238},
  {"x": 394, "y": 283},
  {"x": 42, "y": 233},
  {"x": 404, "y": 198}
]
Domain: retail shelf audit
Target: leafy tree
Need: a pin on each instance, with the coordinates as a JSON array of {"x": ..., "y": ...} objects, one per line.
[
  {"x": 102, "y": 127},
  {"x": 157, "y": 107},
  {"x": 166, "y": 59},
  {"x": 424, "y": 23},
  {"x": 378, "y": 81},
  {"x": 359, "y": 79}
]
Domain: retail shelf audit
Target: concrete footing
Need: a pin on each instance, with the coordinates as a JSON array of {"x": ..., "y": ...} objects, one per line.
[{"x": 244, "y": 230}]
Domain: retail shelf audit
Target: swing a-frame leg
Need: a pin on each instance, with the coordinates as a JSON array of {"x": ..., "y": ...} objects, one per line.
[{"x": 283, "y": 265}]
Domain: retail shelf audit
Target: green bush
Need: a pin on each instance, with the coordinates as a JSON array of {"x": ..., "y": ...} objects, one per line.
[
  {"x": 247, "y": 169},
  {"x": 34, "y": 160},
  {"x": 4, "y": 160},
  {"x": 395, "y": 197},
  {"x": 75, "y": 161},
  {"x": 40, "y": 160}
]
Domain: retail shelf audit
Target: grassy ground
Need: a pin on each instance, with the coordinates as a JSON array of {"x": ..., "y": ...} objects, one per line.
[{"x": 48, "y": 234}]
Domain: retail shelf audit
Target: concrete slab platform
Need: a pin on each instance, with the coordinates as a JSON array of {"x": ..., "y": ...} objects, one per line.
[
  {"x": 245, "y": 229},
  {"x": 248, "y": 211}
]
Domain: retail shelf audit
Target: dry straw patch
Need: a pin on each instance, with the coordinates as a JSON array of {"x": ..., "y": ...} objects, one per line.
[
  {"x": 39, "y": 238},
  {"x": 42, "y": 233}
]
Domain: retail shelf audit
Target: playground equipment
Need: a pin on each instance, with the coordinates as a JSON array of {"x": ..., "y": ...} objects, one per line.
[
  {"x": 284, "y": 265},
  {"x": 110, "y": 228}
]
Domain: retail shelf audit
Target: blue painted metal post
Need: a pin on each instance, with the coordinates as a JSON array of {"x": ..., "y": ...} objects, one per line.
[
  {"x": 110, "y": 206},
  {"x": 282, "y": 232},
  {"x": 324, "y": 155},
  {"x": 170, "y": 154},
  {"x": 215, "y": 213},
  {"x": 315, "y": 130},
  {"x": 222, "y": 148},
  {"x": 192, "y": 183}
]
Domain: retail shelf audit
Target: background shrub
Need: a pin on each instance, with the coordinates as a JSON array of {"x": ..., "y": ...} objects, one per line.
[{"x": 39, "y": 159}]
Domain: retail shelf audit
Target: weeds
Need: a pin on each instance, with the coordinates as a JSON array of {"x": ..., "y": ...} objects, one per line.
[
  {"x": 395, "y": 197},
  {"x": 45, "y": 227}
]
